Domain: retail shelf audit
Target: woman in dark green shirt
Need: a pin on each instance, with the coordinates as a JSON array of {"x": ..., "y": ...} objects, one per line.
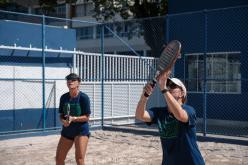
[
  {"x": 176, "y": 122},
  {"x": 74, "y": 109}
]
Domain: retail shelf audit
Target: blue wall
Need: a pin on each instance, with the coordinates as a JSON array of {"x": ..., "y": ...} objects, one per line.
[
  {"x": 24, "y": 34},
  {"x": 24, "y": 119}
]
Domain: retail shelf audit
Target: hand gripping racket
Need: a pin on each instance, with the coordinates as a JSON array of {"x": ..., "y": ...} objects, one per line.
[{"x": 170, "y": 53}]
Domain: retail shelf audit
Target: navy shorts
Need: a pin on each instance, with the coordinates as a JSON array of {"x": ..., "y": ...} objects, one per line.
[{"x": 75, "y": 129}]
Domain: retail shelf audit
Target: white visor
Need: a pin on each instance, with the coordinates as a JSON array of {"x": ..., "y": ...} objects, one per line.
[{"x": 178, "y": 83}]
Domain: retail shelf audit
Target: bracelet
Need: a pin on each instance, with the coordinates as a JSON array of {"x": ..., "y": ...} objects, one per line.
[{"x": 165, "y": 90}]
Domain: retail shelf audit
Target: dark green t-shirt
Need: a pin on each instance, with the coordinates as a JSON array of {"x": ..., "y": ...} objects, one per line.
[
  {"x": 77, "y": 106},
  {"x": 178, "y": 139}
]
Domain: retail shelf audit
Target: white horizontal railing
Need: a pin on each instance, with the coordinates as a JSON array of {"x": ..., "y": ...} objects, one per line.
[
  {"x": 116, "y": 67},
  {"x": 88, "y": 65}
]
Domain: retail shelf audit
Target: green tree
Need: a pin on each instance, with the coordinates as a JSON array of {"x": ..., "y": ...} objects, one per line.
[
  {"x": 11, "y": 5},
  {"x": 47, "y": 6},
  {"x": 153, "y": 30},
  {"x": 4, "y": 2}
]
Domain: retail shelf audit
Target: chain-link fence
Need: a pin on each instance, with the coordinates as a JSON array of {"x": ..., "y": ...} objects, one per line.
[
  {"x": 214, "y": 67},
  {"x": 37, "y": 52},
  {"x": 115, "y": 60}
]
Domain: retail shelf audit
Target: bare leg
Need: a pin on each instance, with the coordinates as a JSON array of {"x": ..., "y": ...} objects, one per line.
[
  {"x": 81, "y": 143},
  {"x": 63, "y": 148}
]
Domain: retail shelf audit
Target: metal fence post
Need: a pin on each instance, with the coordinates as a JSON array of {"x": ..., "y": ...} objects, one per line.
[
  {"x": 43, "y": 72},
  {"x": 55, "y": 112},
  {"x": 102, "y": 76},
  {"x": 205, "y": 75}
]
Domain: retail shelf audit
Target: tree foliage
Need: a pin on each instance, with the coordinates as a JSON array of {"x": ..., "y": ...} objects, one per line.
[
  {"x": 9, "y": 5},
  {"x": 106, "y": 10},
  {"x": 3, "y": 2},
  {"x": 47, "y": 5},
  {"x": 153, "y": 30}
]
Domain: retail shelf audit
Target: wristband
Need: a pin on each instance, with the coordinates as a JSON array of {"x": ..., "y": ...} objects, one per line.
[{"x": 165, "y": 90}]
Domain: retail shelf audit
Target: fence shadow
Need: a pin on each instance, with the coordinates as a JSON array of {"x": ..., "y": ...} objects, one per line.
[
  {"x": 141, "y": 129},
  {"x": 223, "y": 139}
]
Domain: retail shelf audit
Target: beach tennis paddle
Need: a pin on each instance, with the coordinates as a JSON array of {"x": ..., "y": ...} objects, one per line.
[
  {"x": 166, "y": 60},
  {"x": 68, "y": 109}
]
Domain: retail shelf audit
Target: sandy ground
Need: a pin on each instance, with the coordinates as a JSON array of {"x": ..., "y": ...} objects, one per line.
[{"x": 112, "y": 148}]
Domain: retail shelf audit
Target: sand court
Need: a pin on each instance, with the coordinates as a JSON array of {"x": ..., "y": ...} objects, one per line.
[{"x": 112, "y": 148}]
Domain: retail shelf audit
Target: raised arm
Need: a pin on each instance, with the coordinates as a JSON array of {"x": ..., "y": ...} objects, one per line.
[
  {"x": 173, "y": 98},
  {"x": 141, "y": 113},
  {"x": 175, "y": 108}
]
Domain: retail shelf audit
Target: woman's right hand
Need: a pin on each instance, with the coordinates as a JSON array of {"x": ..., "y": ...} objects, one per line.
[
  {"x": 162, "y": 79},
  {"x": 66, "y": 123},
  {"x": 148, "y": 89}
]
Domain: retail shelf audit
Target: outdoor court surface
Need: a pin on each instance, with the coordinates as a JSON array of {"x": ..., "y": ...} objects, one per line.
[{"x": 114, "y": 148}]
